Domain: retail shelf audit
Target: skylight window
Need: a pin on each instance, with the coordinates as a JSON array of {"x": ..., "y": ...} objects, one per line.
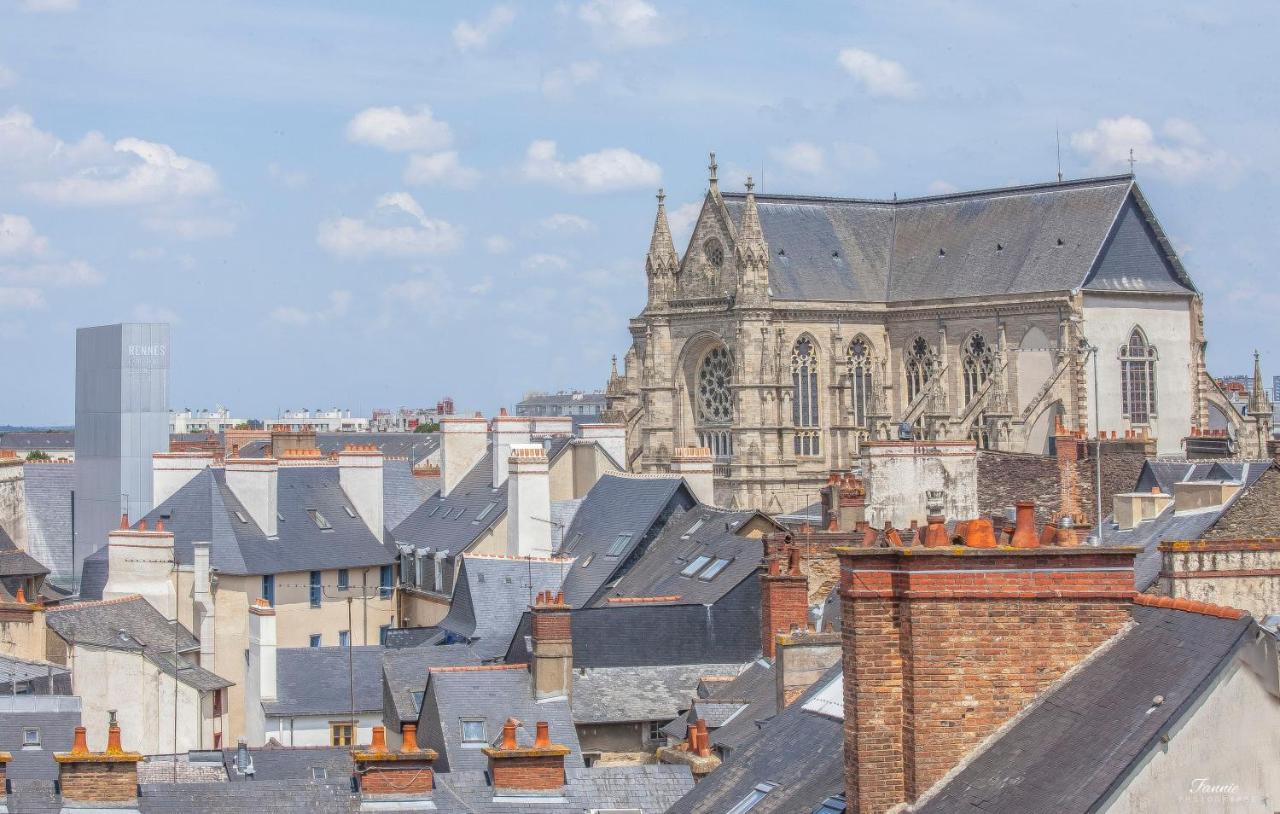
[
  {"x": 350, "y": 511},
  {"x": 693, "y": 528},
  {"x": 473, "y": 731},
  {"x": 486, "y": 510},
  {"x": 587, "y": 559},
  {"x": 717, "y": 565},
  {"x": 573, "y": 543},
  {"x": 434, "y": 509},
  {"x": 240, "y": 516},
  {"x": 831, "y": 805},
  {"x": 753, "y": 798},
  {"x": 320, "y": 521},
  {"x": 619, "y": 545},
  {"x": 694, "y": 567}
]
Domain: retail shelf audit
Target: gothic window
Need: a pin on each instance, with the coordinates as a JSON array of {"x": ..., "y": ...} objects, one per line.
[
  {"x": 859, "y": 358},
  {"x": 804, "y": 397},
  {"x": 714, "y": 252},
  {"x": 919, "y": 360},
  {"x": 1138, "y": 378},
  {"x": 715, "y": 402},
  {"x": 977, "y": 366}
]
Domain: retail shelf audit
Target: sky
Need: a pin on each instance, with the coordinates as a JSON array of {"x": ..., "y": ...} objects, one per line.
[{"x": 378, "y": 204}]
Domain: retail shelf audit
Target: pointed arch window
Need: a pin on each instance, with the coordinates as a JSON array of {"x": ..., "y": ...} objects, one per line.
[
  {"x": 919, "y": 363},
  {"x": 859, "y": 358},
  {"x": 804, "y": 397},
  {"x": 977, "y": 366},
  {"x": 1138, "y": 378},
  {"x": 715, "y": 402}
]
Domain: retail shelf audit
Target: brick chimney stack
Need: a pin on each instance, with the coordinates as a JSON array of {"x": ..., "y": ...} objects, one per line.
[
  {"x": 1066, "y": 446},
  {"x": 516, "y": 768},
  {"x": 98, "y": 779},
  {"x": 784, "y": 592},
  {"x": 395, "y": 776},
  {"x": 552, "y": 658},
  {"x": 944, "y": 644},
  {"x": 844, "y": 501}
]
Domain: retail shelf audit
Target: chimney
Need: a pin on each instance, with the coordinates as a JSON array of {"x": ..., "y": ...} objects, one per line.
[
  {"x": 528, "y": 502},
  {"x": 140, "y": 561},
  {"x": 552, "y": 425},
  {"x": 462, "y": 445},
  {"x": 536, "y": 768},
  {"x": 262, "y": 641},
  {"x": 697, "y": 467},
  {"x": 944, "y": 645},
  {"x": 98, "y": 779},
  {"x": 360, "y": 475},
  {"x": 202, "y": 593},
  {"x": 170, "y": 471},
  {"x": 552, "y": 658},
  {"x": 784, "y": 592},
  {"x": 13, "y": 490},
  {"x": 253, "y": 482},
  {"x": 403, "y": 776},
  {"x": 507, "y": 431},
  {"x": 801, "y": 657},
  {"x": 611, "y": 437},
  {"x": 5, "y": 757},
  {"x": 844, "y": 500},
  {"x": 1067, "y": 449}
]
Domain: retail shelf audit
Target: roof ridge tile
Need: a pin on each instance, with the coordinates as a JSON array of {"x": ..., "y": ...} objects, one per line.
[{"x": 1190, "y": 606}]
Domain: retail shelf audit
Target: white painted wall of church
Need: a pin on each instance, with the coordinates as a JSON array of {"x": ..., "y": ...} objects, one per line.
[{"x": 1108, "y": 321}]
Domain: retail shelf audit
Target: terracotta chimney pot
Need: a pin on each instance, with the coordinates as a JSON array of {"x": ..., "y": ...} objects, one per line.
[
  {"x": 379, "y": 740},
  {"x": 543, "y": 737},
  {"x": 1024, "y": 532},
  {"x": 509, "y": 734},
  {"x": 979, "y": 533},
  {"x": 935, "y": 532},
  {"x": 81, "y": 744}
]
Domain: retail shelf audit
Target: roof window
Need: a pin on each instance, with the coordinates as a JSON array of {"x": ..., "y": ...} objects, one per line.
[
  {"x": 486, "y": 510},
  {"x": 350, "y": 511},
  {"x": 573, "y": 543},
  {"x": 619, "y": 545},
  {"x": 693, "y": 528},
  {"x": 319, "y": 519},
  {"x": 753, "y": 798},
  {"x": 694, "y": 567},
  {"x": 434, "y": 509},
  {"x": 713, "y": 570},
  {"x": 831, "y": 805},
  {"x": 319, "y": 773},
  {"x": 240, "y": 516},
  {"x": 587, "y": 559}
]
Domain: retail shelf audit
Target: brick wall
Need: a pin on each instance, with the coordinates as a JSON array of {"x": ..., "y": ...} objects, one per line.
[
  {"x": 784, "y": 603},
  {"x": 1054, "y": 483},
  {"x": 99, "y": 781},
  {"x": 528, "y": 773},
  {"x": 942, "y": 648},
  {"x": 396, "y": 778}
]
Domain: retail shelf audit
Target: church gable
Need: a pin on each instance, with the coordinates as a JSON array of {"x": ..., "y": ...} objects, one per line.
[
  {"x": 707, "y": 266},
  {"x": 1133, "y": 258}
]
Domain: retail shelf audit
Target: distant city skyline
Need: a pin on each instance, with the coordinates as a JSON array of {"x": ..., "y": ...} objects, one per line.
[{"x": 368, "y": 206}]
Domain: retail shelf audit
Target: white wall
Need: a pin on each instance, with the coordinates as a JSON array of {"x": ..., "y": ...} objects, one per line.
[
  {"x": 1166, "y": 321},
  {"x": 313, "y": 730}
]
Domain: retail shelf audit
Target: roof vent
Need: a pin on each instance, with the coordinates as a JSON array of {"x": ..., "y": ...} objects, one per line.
[
  {"x": 836, "y": 255},
  {"x": 1060, "y": 242},
  {"x": 782, "y": 252},
  {"x": 942, "y": 252},
  {"x": 999, "y": 247}
]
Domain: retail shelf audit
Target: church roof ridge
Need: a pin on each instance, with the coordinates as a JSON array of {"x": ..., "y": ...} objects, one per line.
[{"x": 1075, "y": 183}]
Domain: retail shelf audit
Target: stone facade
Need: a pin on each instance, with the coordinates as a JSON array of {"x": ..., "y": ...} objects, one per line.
[
  {"x": 786, "y": 390},
  {"x": 1236, "y": 573}
]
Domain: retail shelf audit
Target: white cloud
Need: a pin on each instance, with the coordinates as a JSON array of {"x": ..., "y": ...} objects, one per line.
[
  {"x": 625, "y": 23},
  {"x": 483, "y": 286},
  {"x": 559, "y": 83},
  {"x": 801, "y": 156},
  {"x": 339, "y": 303},
  {"x": 21, "y": 299},
  {"x": 544, "y": 262},
  {"x": 604, "y": 171},
  {"x": 143, "y": 312},
  {"x": 157, "y": 254},
  {"x": 940, "y": 187},
  {"x": 497, "y": 244},
  {"x": 1182, "y": 154},
  {"x": 681, "y": 220},
  {"x": 54, "y": 6},
  {"x": 880, "y": 76},
  {"x": 440, "y": 169},
  {"x": 565, "y": 223},
  {"x": 469, "y": 36},
  {"x": 8, "y": 78},
  {"x": 290, "y": 179},
  {"x": 18, "y": 236},
  {"x": 139, "y": 172},
  {"x": 849, "y": 155},
  {"x": 396, "y": 227},
  {"x": 391, "y": 128},
  {"x": 192, "y": 227},
  {"x": 69, "y": 274}
]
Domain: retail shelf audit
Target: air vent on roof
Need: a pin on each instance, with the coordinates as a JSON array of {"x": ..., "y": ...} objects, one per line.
[
  {"x": 942, "y": 252},
  {"x": 782, "y": 252},
  {"x": 836, "y": 255},
  {"x": 1060, "y": 242},
  {"x": 999, "y": 247}
]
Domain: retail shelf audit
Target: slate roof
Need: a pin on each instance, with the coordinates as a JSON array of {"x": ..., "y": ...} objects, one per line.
[
  {"x": 453, "y": 523},
  {"x": 800, "y": 750},
  {"x": 1253, "y": 512},
  {"x": 617, "y": 505},
  {"x": 756, "y": 688},
  {"x": 205, "y": 509},
  {"x": 23, "y": 440},
  {"x": 56, "y": 716},
  {"x": 272, "y": 795},
  {"x": 490, "y": 595},
  {"x": 417, "y": 445},
  {"x": 647, "y": 789},
  {"x": 48, "y": 503},
  {"x": 411, "y": 636},
  {"x": 404, "y": 673},
  {"x": 280, "y": 763},
  {"x": 1083, "y": 739},
  {"x": 316, "y": 680},
  {"x": 701, "y": 531},
  {"x": 655, "y": 693},
  {"x": 1095, "y": 233},
  {"x": 132, "y": 624},
  {"x": 491, "y": 695}
]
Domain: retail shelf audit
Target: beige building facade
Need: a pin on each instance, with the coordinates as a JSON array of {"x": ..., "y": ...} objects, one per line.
[{"x": 794, "y": 329}]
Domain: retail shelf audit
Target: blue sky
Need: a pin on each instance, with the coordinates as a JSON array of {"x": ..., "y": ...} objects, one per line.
[{"x": 378, "y": 204}]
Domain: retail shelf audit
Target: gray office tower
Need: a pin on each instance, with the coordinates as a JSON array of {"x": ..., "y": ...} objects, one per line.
[{"x": 122, "y": 417}]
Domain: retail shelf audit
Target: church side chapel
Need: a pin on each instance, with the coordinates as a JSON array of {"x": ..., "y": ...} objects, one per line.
[{"x": 794, "y": 329}]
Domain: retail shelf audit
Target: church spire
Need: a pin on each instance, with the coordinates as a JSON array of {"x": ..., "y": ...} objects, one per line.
[
  {"x": 753, "y": 252},
  {"x": 660, "y": 244},
  {"x": 750, "y": 231},
  {"x": 662, "y": 261},
  {"x": 1258, "y": 403},
  {"x": 713, "y": 184}
]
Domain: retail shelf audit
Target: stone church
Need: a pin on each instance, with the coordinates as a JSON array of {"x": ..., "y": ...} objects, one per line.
[{"x": 794, "y": 328}]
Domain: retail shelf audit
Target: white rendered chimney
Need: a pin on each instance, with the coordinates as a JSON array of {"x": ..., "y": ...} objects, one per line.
[
  {"x": 260, "y": 674},
  {"x": 611, "y": 437},
  {"x": 462, "y": 445},
  {"x": 170, "y": 471},
  {"x": 202, "y": 593},
  {"x": 508, "y": 430},
  {"x": 140, "y": 561},
  {"x": 360, "y": 475},
  {"x": 253, "y": 481},
  {"x": 552, "y": 425},
  {"x": 697, "y": 467},
  {"x": 528, "y": 502}
]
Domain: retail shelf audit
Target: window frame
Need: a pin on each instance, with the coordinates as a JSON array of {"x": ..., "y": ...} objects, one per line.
[
  {"x": 695, "y": 565},
  {"x": 806, "y": 399},
  {"x": 337, "y": 735},
  {"x": 315, "y": 640},
  {"x": 1138, "y": 358},
  {"x": 315, "y": 590},
  {"x": 386, "y": 581},
  {"x": 472, "y": 743},
  {"x": 269, "y": 589},
  {"x": 619, "y": 544},
  {"x": 753, "y": 798},
  {"x": 344, "y": 638},
  {"x": 28, "y": 743},
  {"x": 344, "y": 579}
]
